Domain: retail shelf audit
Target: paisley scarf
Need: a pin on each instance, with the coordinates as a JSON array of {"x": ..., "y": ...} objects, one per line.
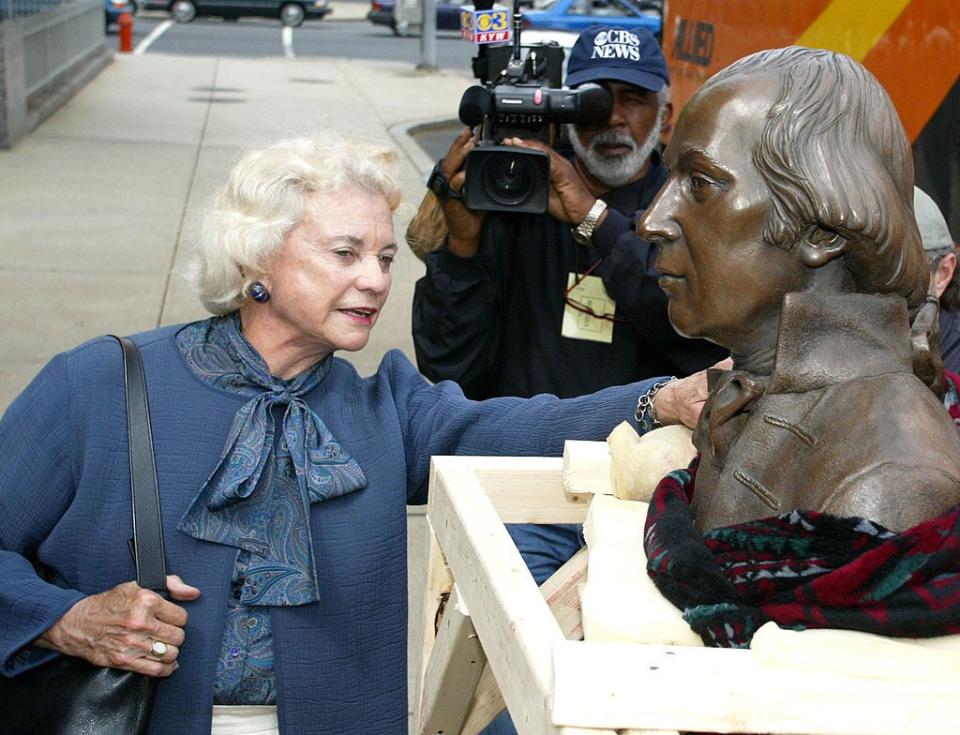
[{"x": 258, "y": 496}]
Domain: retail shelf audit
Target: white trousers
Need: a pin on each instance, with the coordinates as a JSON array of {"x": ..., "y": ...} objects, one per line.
[{"x": 244, "y": 720}]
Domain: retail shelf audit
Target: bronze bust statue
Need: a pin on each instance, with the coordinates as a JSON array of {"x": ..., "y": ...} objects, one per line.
[{"x": 787, "y": 235}]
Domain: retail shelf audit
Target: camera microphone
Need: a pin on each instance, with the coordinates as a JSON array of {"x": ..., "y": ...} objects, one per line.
[{"x": 475, "y": 105}]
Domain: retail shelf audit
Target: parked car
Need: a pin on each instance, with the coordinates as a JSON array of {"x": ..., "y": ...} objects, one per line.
[
  {"x": 290, "y": 12},
  {"x": 565, "y": 39},
  {"x": 381, "y": 13},
  {"x": 113, "y": 9},
  {"x": 578, "y": 15}
]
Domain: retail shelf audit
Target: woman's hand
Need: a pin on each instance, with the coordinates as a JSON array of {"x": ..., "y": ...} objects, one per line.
[
  {"x": 680, "y": 401},
  {"x": 118, "y": 628}
]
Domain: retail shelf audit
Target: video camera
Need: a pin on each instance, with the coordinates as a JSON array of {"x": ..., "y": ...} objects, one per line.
[{"x": 520, "y": 96}]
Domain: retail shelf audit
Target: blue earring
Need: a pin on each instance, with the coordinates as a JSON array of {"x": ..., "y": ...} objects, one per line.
[{"x": 259, "y": 293}]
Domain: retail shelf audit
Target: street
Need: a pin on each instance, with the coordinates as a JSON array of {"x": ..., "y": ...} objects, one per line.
[{"x": 355, "y": 38}]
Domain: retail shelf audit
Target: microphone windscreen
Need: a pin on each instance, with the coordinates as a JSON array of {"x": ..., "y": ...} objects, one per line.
[{"x": 474, "y": 105}]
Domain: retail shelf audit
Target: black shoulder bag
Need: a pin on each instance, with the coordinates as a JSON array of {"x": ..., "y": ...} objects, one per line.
[{"x": 69, "y": 696}]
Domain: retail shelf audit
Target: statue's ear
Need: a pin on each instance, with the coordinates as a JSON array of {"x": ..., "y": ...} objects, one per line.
[{"x": 819, "y": 246}]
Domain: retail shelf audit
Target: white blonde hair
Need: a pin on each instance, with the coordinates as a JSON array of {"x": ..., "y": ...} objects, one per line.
[{"x": 248, "y": 220}]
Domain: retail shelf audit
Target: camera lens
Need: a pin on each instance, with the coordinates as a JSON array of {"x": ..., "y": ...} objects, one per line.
[
  {"x": 509, "y": 179},
  {"x": 506, "y": 179}
]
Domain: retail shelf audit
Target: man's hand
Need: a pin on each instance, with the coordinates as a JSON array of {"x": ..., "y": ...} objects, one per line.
[
  {"x": 463, "y": 224},
  {"x": 680, "y": 401},
  {"x": 570, "y": 198},
  {"x": 119, "y": 627}
]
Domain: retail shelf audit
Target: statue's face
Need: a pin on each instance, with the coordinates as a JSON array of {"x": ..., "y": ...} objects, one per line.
[{"x": 724, "y": 282}]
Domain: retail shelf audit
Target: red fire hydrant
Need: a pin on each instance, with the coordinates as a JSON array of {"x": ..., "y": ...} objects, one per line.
[{"x": 125, "y": 24}]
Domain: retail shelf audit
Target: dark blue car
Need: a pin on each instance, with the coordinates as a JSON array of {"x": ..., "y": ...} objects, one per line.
[
  {"x": 291, "y": 13},
  {"x": 113, "y": 9},
  {"x": 578, "y": 15}
]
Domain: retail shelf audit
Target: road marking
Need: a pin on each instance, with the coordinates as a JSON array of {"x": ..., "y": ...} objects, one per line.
[
  {"x": 288, "y": 42},
  {"x": 153, "y": 36}
]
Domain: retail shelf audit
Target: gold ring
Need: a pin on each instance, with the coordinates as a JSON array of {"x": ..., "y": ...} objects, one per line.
[{"x": 158, "y": 649}]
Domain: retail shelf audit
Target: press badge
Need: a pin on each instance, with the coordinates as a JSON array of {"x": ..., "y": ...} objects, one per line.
[{"x": 591, "y": 294}]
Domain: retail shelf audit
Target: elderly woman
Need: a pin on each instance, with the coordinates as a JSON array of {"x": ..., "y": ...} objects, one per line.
[{"x": 283, "y": 475}]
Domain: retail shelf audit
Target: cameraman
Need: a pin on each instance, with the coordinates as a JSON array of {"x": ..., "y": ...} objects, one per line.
[{"x": 490, "y": 311}]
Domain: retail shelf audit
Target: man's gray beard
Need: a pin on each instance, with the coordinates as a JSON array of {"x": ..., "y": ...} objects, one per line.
[{"x": 616, "y": 171}]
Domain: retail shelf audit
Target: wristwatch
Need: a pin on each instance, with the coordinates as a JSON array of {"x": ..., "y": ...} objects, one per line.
[
  {"x": 584, "y": 231},
  {"x": 439, "y": 184}
]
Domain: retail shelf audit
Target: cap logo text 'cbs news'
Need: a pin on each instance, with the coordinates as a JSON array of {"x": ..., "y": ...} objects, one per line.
[{"x": 616, "y": 44}]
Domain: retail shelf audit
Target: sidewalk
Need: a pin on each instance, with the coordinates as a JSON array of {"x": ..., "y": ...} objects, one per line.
[{"x": 99, "y": 204}]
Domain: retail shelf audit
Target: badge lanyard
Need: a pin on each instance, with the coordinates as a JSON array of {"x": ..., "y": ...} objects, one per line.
[{"x": 589, "y": 312}]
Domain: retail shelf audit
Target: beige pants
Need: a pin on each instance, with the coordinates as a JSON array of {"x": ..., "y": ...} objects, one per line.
[{"x": 244, "y": 720}]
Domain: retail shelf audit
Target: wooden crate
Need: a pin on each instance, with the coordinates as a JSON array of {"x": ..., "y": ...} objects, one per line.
[{"x": 553, "y": 686}]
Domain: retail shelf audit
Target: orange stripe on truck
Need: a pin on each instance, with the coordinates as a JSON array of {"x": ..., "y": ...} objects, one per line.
[
  {"x": 912, "y": 46},
  {"x": 918, "y": 60},
  {"x": 852, "y": 26}
]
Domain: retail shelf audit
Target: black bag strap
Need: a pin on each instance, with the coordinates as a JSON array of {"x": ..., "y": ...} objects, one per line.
[{"x": 147, "y": 527}]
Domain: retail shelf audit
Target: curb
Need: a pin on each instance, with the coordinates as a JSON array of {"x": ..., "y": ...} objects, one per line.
[{"x": 404, "y": 136}]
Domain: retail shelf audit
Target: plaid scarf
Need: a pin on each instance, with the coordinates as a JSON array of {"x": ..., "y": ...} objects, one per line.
[{"x": 804, "y": 569}]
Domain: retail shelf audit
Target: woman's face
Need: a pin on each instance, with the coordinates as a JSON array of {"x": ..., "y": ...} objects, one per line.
[{"x": 332, "y": 274}]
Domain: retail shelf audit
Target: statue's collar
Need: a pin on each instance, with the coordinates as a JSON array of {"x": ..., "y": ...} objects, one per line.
[{"x": 830, "y": 338}]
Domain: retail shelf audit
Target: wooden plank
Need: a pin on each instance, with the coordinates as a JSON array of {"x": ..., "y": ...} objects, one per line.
[
  {"x": 437, "y": 588},
  {"x": 452, "y": 673},
  {"x": 516, "y": 628},
  {"x": 624, "y": 685},
  {"x": 526, "y": 489},
  {"x": 586, "y": 469},
  {"x": 561, "y": 593},
  {"x": 487, "y": 703}
]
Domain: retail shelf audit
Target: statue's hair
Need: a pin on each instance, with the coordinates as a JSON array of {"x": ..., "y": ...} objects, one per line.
[
  {"x": 834, "y": 154},
  {"x": 248, "y": 220}
]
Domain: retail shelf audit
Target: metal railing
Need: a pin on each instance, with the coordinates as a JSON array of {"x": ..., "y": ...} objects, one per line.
[{"x": 12, "y": 9}]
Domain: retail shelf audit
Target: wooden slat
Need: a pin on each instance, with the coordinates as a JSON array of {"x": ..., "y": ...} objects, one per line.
[
  {"x": 562, "y": 597},
  {"x": 624, "y": 685},
  {"x": 437, "y": 588},
  {"x": 586, "y": 469},
  {"x": 525, "y": 489},
  {"x": 562, "y": 594},
  {"x": 487, "y": 703},
  {"x": 516, "y": 628},
  {"x": 452, "y": 672}
]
